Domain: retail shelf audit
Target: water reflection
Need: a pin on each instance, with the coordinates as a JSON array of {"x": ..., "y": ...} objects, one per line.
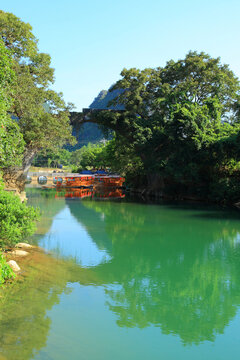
[
  {"x": 74, "y": 241},
  {"x": 81, "y": 193},
  {"x": 49, "y": 207},
  {"x": 173, "y": 269},
  {"x": 24, "y": 305}
]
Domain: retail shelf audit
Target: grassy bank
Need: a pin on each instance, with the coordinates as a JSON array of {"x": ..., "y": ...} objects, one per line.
[{"x": 6, "y": 272}]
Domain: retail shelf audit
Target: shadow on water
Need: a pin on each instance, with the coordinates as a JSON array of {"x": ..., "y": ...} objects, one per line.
[
  {"x": 209, "y": 211},
  {"x": 171, "y": 267}
]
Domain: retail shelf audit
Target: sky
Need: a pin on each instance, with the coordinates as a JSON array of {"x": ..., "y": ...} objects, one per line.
[{"x": 91, "y": 41}]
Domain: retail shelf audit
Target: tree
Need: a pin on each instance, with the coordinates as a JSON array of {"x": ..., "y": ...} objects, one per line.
[
  {"x": 11, "y": 140},
  {"x": 178, "y": 119},
  {"x": 42, "y": 113},
  {"x": 120, "y": 157},
  {"x": 16, "y": 219},
  {"x": 89, "y": 156},
  {"x": 50, "y": 158}
]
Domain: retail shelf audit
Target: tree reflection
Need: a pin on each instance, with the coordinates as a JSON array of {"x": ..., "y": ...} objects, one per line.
[
  {"x": 24, "y": 324},
  {"x": 176, "y": 269},
  {"x": 49, "y": 206},
  {"x": 170, "y": 269}
]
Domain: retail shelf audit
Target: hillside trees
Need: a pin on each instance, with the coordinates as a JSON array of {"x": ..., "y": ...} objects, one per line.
[
  {"x": 42, "y": 113},
  {"x": 182, "y": 120}
]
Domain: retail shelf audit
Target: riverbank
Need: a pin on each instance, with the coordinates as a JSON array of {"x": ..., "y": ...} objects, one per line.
[
  {"x": 12, "y": 259},
  {"x": 149, "y": 193}
]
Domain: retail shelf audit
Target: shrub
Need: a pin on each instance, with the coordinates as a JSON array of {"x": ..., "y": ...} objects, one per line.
[
  {"x": 77, "y": 168},
  {"x": 5, "y": 271},
  {"x": 17, "y": 220}
]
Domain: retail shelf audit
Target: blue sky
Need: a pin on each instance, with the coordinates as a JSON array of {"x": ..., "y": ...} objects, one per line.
[{"x": 91, "y": 41}]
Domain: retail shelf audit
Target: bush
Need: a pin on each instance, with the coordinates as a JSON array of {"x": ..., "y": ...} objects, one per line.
[
  {"x": 5, "y": 271},
  {"x": 17, "y": 220},
  {"x": 225, "y": 189},
  {"x": 77, "y": 169}
]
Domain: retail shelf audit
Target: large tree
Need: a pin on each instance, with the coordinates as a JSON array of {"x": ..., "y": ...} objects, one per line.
[
  {"x": 11, "y": 140},
  {"x": 182, "y": 119},
  {"x": 41, "y": 112},
  {"x": 16, "y": 219}
]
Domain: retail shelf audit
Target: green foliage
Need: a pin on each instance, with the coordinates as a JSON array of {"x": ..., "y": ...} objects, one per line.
[
  {"x": 11, "y": 140},
  {"x": 90, "y": 156},
  {"x": 16, "y": 218},
  {"x": 11, "y": 145},
  {"x": 50, "y": 158},
  {"x": 121, "y": 158},
  {"x": 181, "y": 121},
  {"x": 43, "y": 114},
  {"x": 114, "y": 155},
  {"x": 6, "y": 272}
]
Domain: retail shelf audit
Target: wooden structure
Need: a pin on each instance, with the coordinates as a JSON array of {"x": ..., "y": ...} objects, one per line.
[
  {"x": 109, "y": 181},
  {"x": 100, "y": 193},
  {"x": 78, "y": 181},
  {"x": 85, "y": 181}
]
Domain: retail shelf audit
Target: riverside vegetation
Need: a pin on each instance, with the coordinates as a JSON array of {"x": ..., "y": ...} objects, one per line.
[
  {"x": 32, "y": 116},
  {"x": 176, "y": 132},
  {"x": 16, "y": 218},
  {"x": 176, "y": 129},
  {"x": 179, "y": 132}
]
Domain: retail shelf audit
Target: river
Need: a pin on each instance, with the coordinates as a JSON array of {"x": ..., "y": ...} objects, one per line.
[{"x": 124, "y": 279}]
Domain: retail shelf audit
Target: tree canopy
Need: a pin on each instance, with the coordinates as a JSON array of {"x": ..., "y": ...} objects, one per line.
[
  {"x": 42, "y": 113},
  {"x": 181, "y": 120},
  {"x": 11, "y": 140}
]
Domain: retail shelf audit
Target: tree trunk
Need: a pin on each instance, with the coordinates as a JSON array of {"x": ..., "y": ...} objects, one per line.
[
  {"x": 155, "y": 182},
  {"x": 15, "y": 177},
  {"x": 28, "y": 157}
]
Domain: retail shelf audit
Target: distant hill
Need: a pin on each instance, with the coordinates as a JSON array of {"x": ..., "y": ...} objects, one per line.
[
  {"x": 91, "y": 132},
  {"x": 101, "y": 102}
]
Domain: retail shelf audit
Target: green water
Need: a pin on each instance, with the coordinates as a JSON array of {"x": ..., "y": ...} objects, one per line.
[{"x": 126, "y": 280}]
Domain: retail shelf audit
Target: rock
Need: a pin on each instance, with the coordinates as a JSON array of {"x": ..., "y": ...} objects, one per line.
[
  {"x": 13, "y": 265},
  {"x": 19, "y": 253},
  {"x": 24, "y": 246}
]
